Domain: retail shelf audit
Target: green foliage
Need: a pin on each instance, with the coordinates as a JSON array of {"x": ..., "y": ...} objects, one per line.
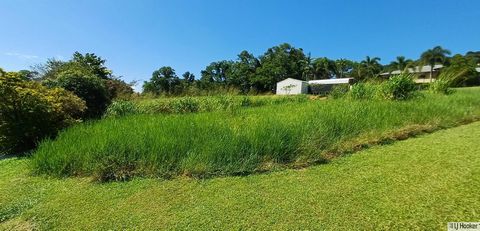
[
  {"x": 30, "y": 112},
  {"x": 278, "y": 63},
  {"x": 180, "y": 105},
  {"x": 88, "y": 65},
  {"x": 361, "y": 91},
  {"x": 461, "y": 71},
  {"x": 121, "y": 108},
  {"x": 339, "y": 91},
  {"x": 118, "y": 89},
  {"x": 239, "y": 141},
  {"x": 89, "y": 88},
  {"x": 441, "y": 86},
  {"x": 399, "y": 87},
  {"x": 164, "y": 81},
  {"x": 448, "y": 78}
]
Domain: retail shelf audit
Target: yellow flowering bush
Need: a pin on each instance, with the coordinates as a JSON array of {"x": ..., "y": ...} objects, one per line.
[{"x": 30, "y": 112}]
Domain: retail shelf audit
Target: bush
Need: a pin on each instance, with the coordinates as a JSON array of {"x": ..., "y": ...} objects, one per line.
[
  {"x": 30, "y": 112},
  {"x": 121, "y": 108},
  {"x": 362, "y": 91},
  {"x": 339, "y": 91},
  {"x": 89, "y": 88},
  {"x": 441, "y": 86},
  {"x": 399, "y": 87},
  {"x": 447, "y": 79}
]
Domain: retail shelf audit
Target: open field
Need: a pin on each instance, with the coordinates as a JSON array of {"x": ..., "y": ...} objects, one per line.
[
  {"x": 242, "y": 141},
  {"x": 420, "y": 183}
]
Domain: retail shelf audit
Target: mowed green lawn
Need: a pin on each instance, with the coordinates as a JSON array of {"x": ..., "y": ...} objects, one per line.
[{"x": 419, "y": 183}]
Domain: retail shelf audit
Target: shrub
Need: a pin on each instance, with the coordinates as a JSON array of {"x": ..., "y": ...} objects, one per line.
[
  {"x": 89, "y": 88},
  {"x": 121, "y": 108},
  {"x": 399, "y": 87},
  {"x": 30, "y": 112},
  {"x": 441, "y": 86},
  {"x": 446, "y": 80},
  {"x": 363, "y": 91},
  {"x": 185, "y": 105},
  {"x": 339, "y": 91}
]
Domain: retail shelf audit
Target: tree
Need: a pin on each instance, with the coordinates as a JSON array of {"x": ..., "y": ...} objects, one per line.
[
  {"x": 243, "y": 71},
  {"x": 217, "y": 74},
  {"x": 88, "y": 87},
  {"x": 323, "y": 68},
  {"x": 93, "y": 63},
  {"x": 401, "y": 63},
  {"x": 278, "y": 63},
  {"x": 188, "y": 77},
  {"x": 372, "y": 66},
  {"x": 89, "y": 65},
  {"x": 463, "y": 68},
  {"x": 433, "y": 56},
  {"x": 163, "y": 81},
  {"x": 342, "y": 67}
]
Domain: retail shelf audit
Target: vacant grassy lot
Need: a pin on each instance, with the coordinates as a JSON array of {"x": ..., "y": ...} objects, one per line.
[
  {"x": 243, "y": 141},
  {"x": 420, "y": 183}
]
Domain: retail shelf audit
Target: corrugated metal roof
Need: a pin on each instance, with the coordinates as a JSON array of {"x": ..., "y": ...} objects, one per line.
[
  {"x": 331, "y": 81},
  {"x": 417, "y": 69}
]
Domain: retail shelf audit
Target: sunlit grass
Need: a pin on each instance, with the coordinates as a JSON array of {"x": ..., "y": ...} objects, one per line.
[
  {"x": 417, "y": 184},
  {"x": 241, "y": 141}
]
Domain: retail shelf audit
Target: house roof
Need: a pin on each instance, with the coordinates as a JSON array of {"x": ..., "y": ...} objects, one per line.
[
  {"x": 331, "y": 81},
  {"x": 417, "y": 69}
]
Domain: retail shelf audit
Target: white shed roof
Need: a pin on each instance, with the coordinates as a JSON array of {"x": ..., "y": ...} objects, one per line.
[
  {"x": 331, "y": 81},
  {"x": 290, "y": 79},
  {"x": 478, "y": 69}
]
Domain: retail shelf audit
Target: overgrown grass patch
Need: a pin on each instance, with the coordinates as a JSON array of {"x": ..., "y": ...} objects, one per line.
[
  {"x": 415, "y": 184},
  {"x": 182, "y": 105},
  {"x": 240, "y": 141}
]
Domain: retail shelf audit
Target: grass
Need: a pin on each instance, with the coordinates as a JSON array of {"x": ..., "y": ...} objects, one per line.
[
  {"x": 180, "y": 105},
  {"x": 416, "y": 184},
  {"x": 243, "y": 141}
]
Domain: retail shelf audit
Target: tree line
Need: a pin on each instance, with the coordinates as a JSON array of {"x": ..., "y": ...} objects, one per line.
[{"x": 250, "y": 74}]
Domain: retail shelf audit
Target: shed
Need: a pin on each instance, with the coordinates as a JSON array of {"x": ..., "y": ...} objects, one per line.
[{"x": 291, "y": 86}]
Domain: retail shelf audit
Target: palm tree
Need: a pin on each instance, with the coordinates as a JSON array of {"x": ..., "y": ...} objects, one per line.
[
  {"x": 401, "y": 63},
  {"x": 372, "y": 65},
  {"x": 307, "y": 70},
  {"x": 323, "y": 68},
  {"x": 342, "y": 66},
  {"x": 435, "y": 55}
]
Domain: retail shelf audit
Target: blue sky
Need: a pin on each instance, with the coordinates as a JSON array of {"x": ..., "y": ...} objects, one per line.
[{"x": 137, "y": 37}]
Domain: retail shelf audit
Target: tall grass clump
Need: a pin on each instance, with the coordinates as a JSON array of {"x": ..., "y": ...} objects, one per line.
[
  {"x": 241, "y": 141},
  {"x": 446, "y": 79}
]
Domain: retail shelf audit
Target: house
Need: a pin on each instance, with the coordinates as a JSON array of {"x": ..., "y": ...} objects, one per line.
[
  {"x": 422, "y": 72},
  {"x": 291, "y": 86},
  {"x": 294, "y": 86}
]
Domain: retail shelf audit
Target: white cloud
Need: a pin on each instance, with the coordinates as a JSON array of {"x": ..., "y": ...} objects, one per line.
[{"x": 21, "y": 56}]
